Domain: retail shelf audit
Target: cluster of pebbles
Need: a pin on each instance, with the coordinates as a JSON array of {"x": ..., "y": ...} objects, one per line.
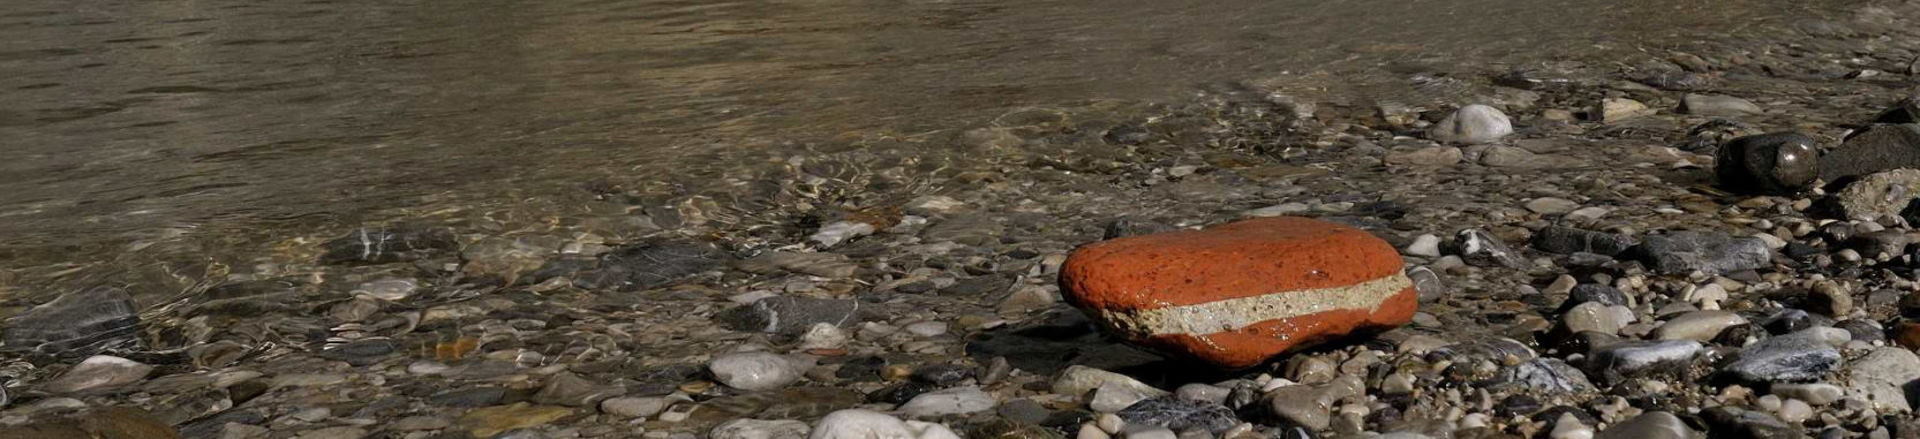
[{"x": 1585, "y": 269}]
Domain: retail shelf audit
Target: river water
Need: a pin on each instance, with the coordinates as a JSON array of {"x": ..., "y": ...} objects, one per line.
[{"x": 132, "y": 122}]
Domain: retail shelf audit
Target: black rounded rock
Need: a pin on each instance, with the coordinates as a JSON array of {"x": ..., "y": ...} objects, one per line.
[{"x": 1778, "y": 163}]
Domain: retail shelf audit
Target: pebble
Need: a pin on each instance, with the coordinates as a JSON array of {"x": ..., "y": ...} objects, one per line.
[
  {"x": 1113, "y": 397},
  {"x": 1425, "y": 245},
  {"x": 1596, "y": 317},
  {"x": 1683, "y": 252},
  {"x": 1429, "y": 157},
  {"x": 1568, "y": 426},
  {"x": 927, "y": 329},
  {"x": 1812, "y": 393},
  {"x": 837, "y": 232},
  {"x": 1716, "y": 105},
  {"x": 1180, "y": 415},
  {"x": 790, "y": 315},
  {"x": 1078, "y": 381},
  {"x": 1550, "y": 375},
  {"x": 1551, "y": 205},
  {"x": 96, "y": 373},
  {"x": 1880, "y": 194},
  {"x": 1472, "y": 124},
  {"x": 490, "y": 421},
  {"x": 1201, "y": 392},
  {"x": 1633, "y": 358},
  {"x": 954, "y": 401},
  {"x": 1210, "y": 305},
  {"x": 1568, "y": 240},
  {"x": 1312, "y": 406},
  {"x": 754, "y": 370},
  {"x": 1613, "y": 110}
]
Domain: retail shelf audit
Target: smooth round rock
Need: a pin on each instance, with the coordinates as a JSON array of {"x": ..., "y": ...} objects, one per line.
[
  {"x": 1777, "y": 163},
  {"x": 1236, "y": 294},
  {"x": 867, "y": 424},
  {"x": 1472, "y": 124},
  {"x": 1698, "y": 325}
]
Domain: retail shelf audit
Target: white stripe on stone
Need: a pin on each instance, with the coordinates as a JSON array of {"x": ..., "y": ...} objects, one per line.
[{"x": 1232, "y": 314}]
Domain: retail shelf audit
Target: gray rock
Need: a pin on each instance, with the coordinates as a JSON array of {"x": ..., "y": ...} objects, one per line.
[
  {"x": 1180, "y": 415},
  {"x": 1076, "y": 381},
  {"x": 1797, "y": 357},
  {"x": 1879, "y": 148},
  {"x": 1716, "y": 105},
  {"x": 954, "y": 401},
  {"x": 469, "y": 397},
  {"x": 1775, "y": 164},
  {"x": 1549, "y": 375},
  {"x": 98, "y": 372},
  {"x": 1683, "y": 252},
  {"x": 1889, "y": 377},
  {"x": 790, "y": 315},
  {"x": 759, "y": 429},
  {"x": 1597, "y": 293},
  {"x": 379, "y": 245},
  {"x": 1650, "y": 425},
  {"x": 1124, "y": 226},
  {"x": 1568, "y": 240},
  {"x": 652, "y": 264},
  {"x": 1427, "y": 283},
  {"x": 1311, "y": 406},
  {"x": 1431, "y": 157},
  {"x": 1725, "y": 421},
  {"x": 826, "y": 265},
  {"x": 635, "y": 407},
  {"x": 1617, "y": 361},
  {"x": 1880, "y": 194},
  {"x": 1114, "y": 397},
  {"x": 753, "y": 371},
  {"x": 76, "y": 325},
  {"x": 1201, "y": 392},
  {"x": 1596, "y": 317},
  {"x": 361, "y": 353},
  {"x": 1480, "y": 248},
  {"x": 1812, "y": 393},
  {"x": 1472, "y": 124},
  {"x": 1501, "y": 156},
  {"x": 1499, "y": 350}
]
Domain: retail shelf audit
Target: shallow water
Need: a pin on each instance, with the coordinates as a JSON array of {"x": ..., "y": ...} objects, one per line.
[{"x": 235, "y": 121}]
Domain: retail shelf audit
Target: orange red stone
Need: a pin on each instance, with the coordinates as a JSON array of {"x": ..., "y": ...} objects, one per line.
[{"x": 1236, "y": 294}]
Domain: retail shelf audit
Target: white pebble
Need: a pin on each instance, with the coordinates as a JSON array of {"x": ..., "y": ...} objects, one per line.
[{"x": 753, "y": 371}]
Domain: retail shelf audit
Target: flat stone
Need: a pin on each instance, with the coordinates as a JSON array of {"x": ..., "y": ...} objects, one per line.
[
  {"x": 1699, "y": 326},
  {"x": 837, "y": 232},
  {"x": 1235, "y": 294},
  {"x": 1889, "y": 193},
  {"x": 104, "y": 423},
  {"x": 75, "y": 325},
  {"x": 1716, "y": 105},
  {"x": 1431, "y": 157},
  {"x": 827, "y": 265},
  {"x": 1682, "y": 252},
  {"x": 97, "y": 373},
  {"x": 1568, "y": 240},
  {"x": 954, "y": 401},
  {"x": 753, "y": 370},
  {"x": 1547, "y": 375},
  {"x": 1812, "y": 393},
  {"x": 1596, "y": 317},
  {"x": 790, "y": 315},
  {"x": 1513, "y": 157},
  {"x": 1879, "y": 148},
  {"x": 1472, "y": 124},
  {"x": 1113, "y": 397},
  {"x": 1077, "y": 381},
  {"x": 1635, "y": 358},
  {"x": 1551, "y": 205},
  {"x": 1311, "y": 406},
  {"x": 1597, "y": 293},
  {"x": 1797, "y": 357},
  {"x": 486, "y": 422},
  {"x": 1612, "y": 110},
  {"x": 652, "y": 264},
  {"x": 760, "y": 429},
  {"x": 1888, "y": 377},
  {"x": 866, "y": 424},
  {"x": 635, "y": 407},
  {"x": 570, "y": 390},
  {"x": 1650, "y": 425}
]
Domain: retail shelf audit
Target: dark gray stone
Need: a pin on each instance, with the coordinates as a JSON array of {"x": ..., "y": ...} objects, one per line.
[
  {"x": 1603, "y": 294},
  {"x": 900, "y": 393},
  {"x": 1879, "y": 148},
  {"x": 1796, "y": 357},
  {"x": 790, "y": 315},
  {"x": 1712, "y": 253},
  {"x": 943, "y": 375},
  {"x": 1179, "y": 415},
  {"x": 1124, "y": 226},
  {"x": 1777, "y": 163},
  {"x": 1480, "y": 248},
  {"x": 1734, "y": 422},
  {"x": 652, "y": 265},
  {"x": 1545, "y": 375},
  {"x": 75, "y": 325},
  {"x": 470, "y": 397},
  {"x": 1905, "y": 111},
  {"x": 1568, "y": 240},
  {"x": 380, "y": 245}
]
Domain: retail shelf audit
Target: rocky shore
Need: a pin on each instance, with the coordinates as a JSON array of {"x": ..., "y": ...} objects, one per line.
[{"x": 1616, "y": 250}]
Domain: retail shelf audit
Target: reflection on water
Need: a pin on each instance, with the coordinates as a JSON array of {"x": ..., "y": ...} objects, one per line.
[{"x": 139, "y": 120}]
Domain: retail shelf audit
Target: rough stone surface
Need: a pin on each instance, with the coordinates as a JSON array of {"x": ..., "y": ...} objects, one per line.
[
  {"x": 1880, "y": 194},
  {"x": 1888, "y": 377},
  {"x": 1682, "y": 252},
  {"x": 1798, "y": 357},
  {"x": 1235, "y": 294},
  {"x": 754, "y": 370},
  {"x": 791, "y": 315},
  {"x": 1878, "y": 148}
]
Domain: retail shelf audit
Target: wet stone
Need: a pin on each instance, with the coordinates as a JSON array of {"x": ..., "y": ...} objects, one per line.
[
  {"x": 1889, "y": 377},
  {"x": 790, "y": 315},
  {"x": 1180, "y": 415},
  {"x": 759, "y": 429},
  {"x": 1889, "y": 193},
  {"x": 753, "y": 370},
  {"x": 942, "y": 374},
  {"x": 570, "y": 390},
  {"x": 955, "y": 401},
  {"x": 900, "y": 393},
  {"x": 1716, "y": 105},
  {"x": 76, "y": 325},
  {"x": 472, "y": 397},
  {"x": 1733, "y": 422},
  {"x": 1712, "y": 253},
  {"x": 98, "y": 372},
  {"x": 490, "y": 421},
  {"x": 1798, "y": 357},
  {"x": 1568, "y": 240},
  {"x": 1637, "y": 358},
  {"x": 1596, "y": 293},
  {"x": 1907, "y": 110},
  {"x": 380, "y": 245},
  {"x": 652, "y": 265},
  {"x": 361, "y": 353},
  {"x": 1778, "y": 163}
]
